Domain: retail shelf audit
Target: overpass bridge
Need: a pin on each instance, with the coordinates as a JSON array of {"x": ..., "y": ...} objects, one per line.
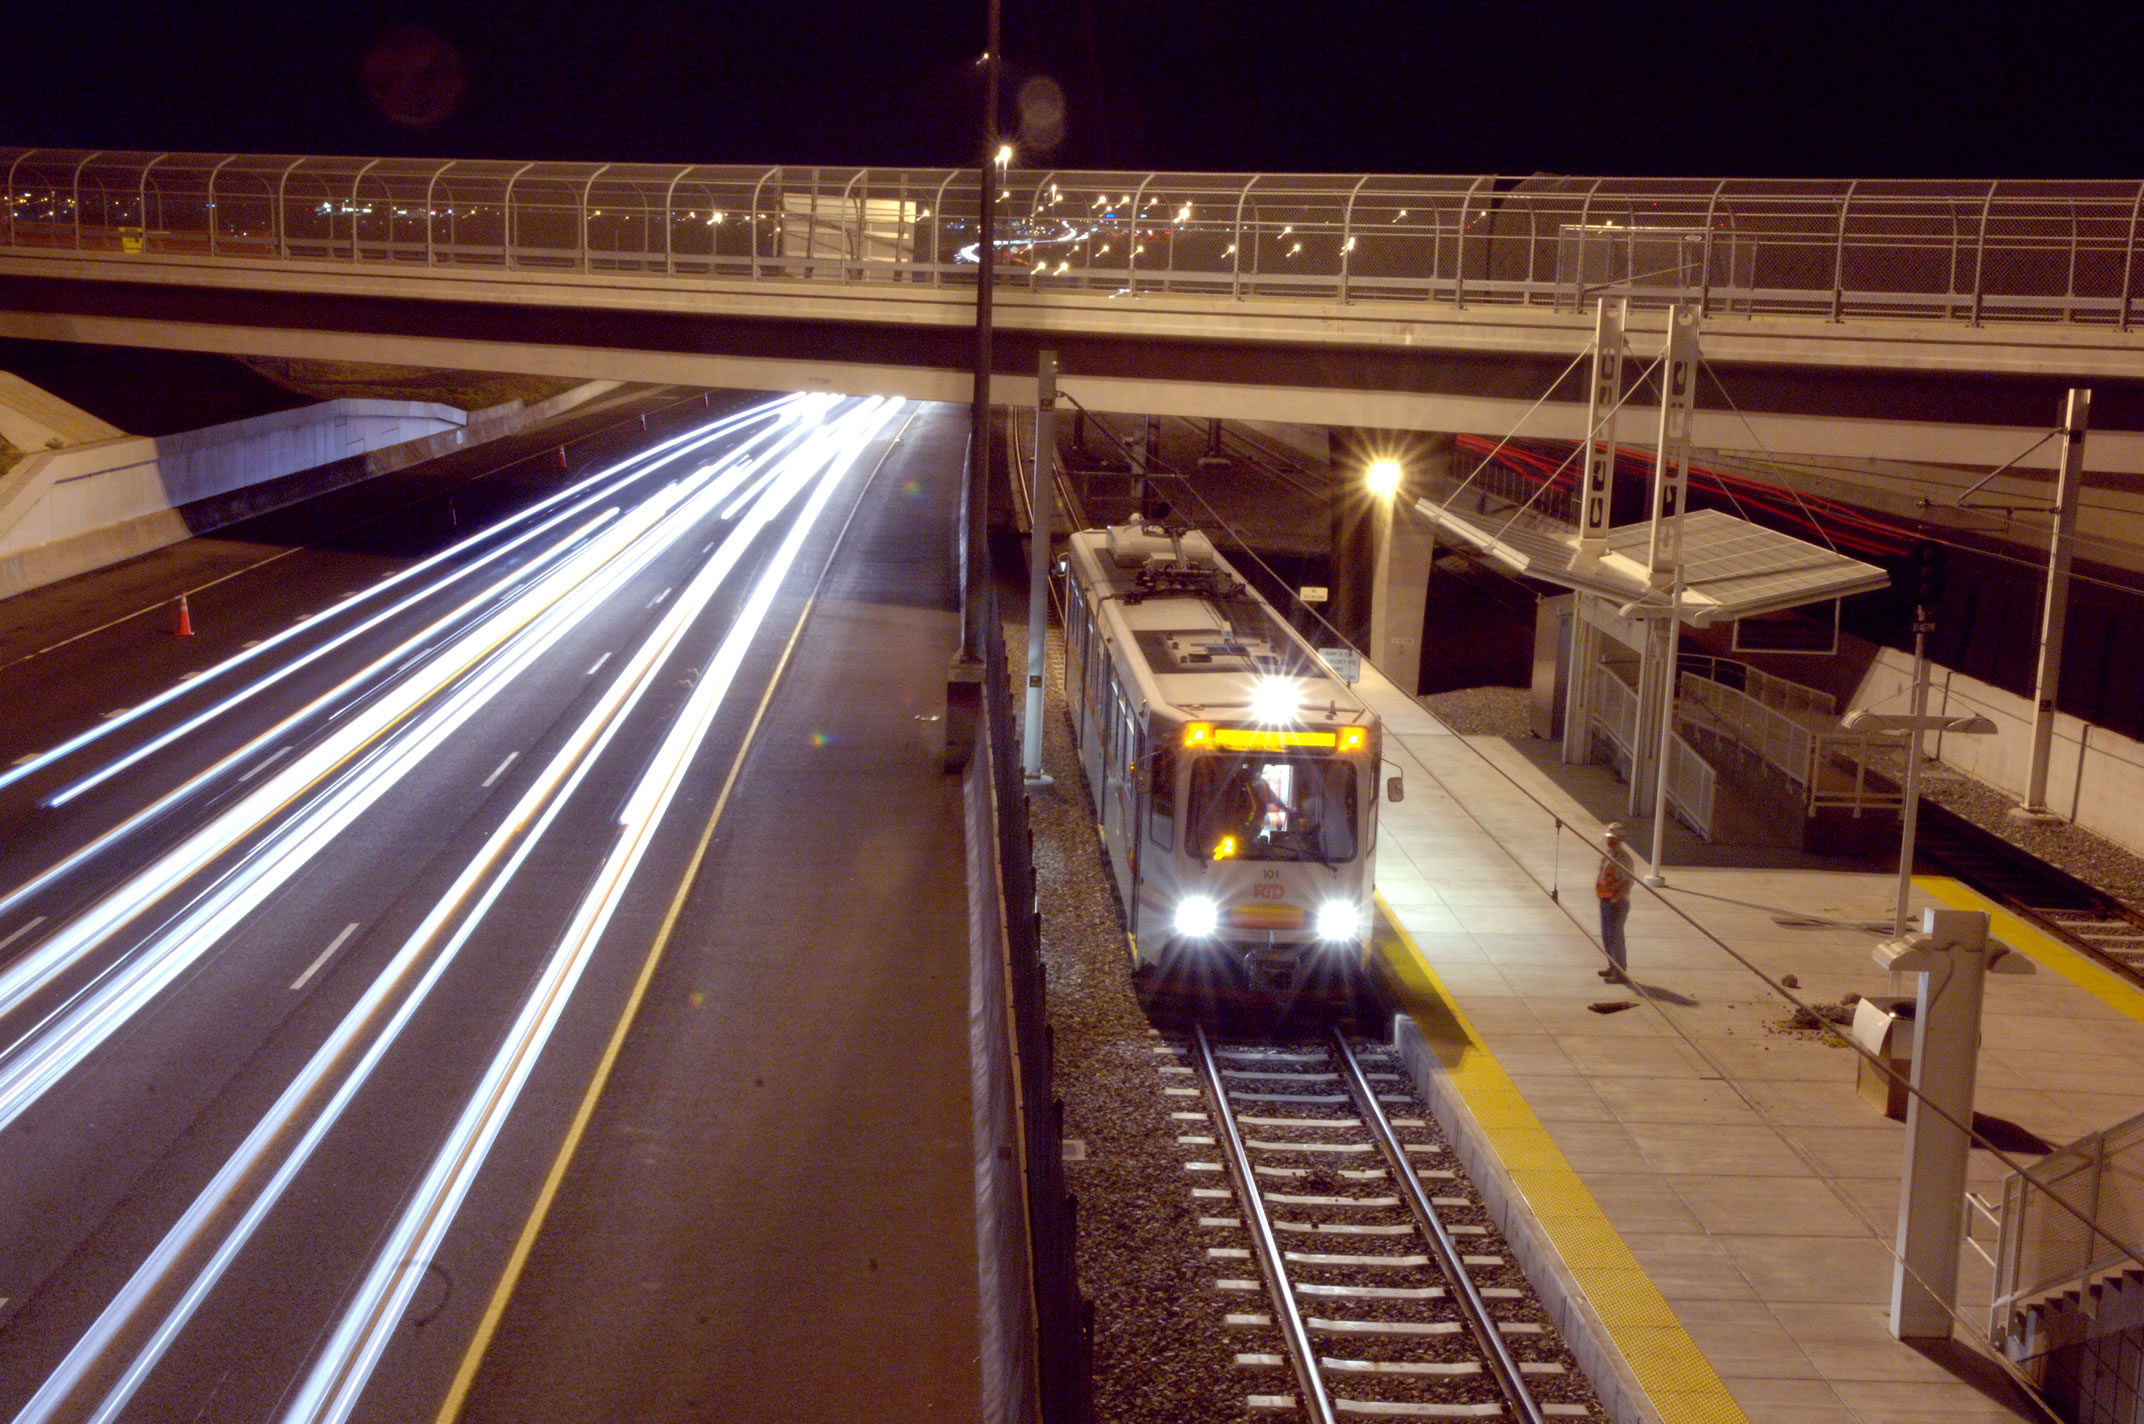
[{"x": 1869, "y": 320}]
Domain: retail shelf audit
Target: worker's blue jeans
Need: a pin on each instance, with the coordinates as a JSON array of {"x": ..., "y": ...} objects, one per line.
[{"x": 1613, "y": 914}]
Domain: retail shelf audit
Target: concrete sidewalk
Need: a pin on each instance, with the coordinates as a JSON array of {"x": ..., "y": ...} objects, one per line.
[{"x": 1706, "y": 1178}]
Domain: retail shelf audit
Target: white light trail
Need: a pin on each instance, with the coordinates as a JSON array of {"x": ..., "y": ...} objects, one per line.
[
  {"x": 591, "y": 498},
  {"x": 725, "y": 473},
  {"x": 485, "y": 659},
  {"x": 206, "y": 1233},
  {"x": 346, "y": 1364},
  {"x": 628, "y": 469}
]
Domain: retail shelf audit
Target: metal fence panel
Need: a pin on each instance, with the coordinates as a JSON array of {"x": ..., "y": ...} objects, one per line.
[{"x": 1859, "y": 249}]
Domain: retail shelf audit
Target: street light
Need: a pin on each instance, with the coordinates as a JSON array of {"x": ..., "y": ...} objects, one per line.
[
  {"x": 1004, "y": 154},
  {"x": 1383, "y": 477}
]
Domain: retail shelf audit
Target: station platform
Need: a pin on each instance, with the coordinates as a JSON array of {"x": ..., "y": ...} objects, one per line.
[{"x": 1714, "y": 1201}]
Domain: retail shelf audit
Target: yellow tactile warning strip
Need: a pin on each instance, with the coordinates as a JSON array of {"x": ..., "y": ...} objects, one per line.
[
  {"x": 2050, "y": 954},
  {"x": 1674, "y": 1374}
]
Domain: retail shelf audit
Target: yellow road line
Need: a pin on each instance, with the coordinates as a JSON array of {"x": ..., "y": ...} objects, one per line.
[
  {"x": 1669, "y": 1367},
  {"x": 458, "y": 1393},
  {"x": 2041, "y": 948}
]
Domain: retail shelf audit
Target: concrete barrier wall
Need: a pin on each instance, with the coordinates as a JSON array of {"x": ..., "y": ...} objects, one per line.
[
  {"x": 2095, "y": 778},
  {"x": 64, "y": 512},
  {"x": 61, "y": 494}
]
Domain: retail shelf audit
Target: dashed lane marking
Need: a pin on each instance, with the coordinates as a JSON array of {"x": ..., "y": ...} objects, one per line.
[
  {"x": 500, "y": 770},
  {"x": 473, "y": 1356},
  {"x": 272, "y": 758},
  {"x": 597, "y": 666},
  {"x": 21, "y": 931},
  {"x": 660, "y": 597},
  {"x": 314, "y": 968}
]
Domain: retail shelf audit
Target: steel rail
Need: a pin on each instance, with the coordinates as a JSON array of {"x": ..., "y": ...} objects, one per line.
[
  {"x": 1317, "y": 1404},
  {"x": 1479, "y": 1322}
]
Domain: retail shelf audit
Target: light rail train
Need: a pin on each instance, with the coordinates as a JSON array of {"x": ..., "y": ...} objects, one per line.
[{"x": 1233, "y": 775}]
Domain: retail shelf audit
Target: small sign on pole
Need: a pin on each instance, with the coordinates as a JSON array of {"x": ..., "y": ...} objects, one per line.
[
  {"x": 1346, "y": 663},
  {"x": 1313, "y": 593}
]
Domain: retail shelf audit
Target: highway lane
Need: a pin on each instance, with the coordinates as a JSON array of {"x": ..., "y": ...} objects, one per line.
[
  {"x": 54, "y": 964},
  {"x": 229, "y": 704},
  {"x": 290, "y": 1065},
  {"x": 770, "y": 1216}
]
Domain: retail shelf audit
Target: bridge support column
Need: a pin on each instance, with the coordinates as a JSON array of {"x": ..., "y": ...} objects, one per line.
[{"x": 1406, "y": 550}]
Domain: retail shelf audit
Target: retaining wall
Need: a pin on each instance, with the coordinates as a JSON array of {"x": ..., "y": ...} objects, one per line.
[
  {"x": 2095, "y": 778},
  {"x": 64, "y": 512}
]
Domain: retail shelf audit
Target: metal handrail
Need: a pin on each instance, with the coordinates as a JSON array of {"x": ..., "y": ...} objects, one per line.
[
  {"x": 2030, "y": 1265},
  {"x": 2056, "y": 253}
]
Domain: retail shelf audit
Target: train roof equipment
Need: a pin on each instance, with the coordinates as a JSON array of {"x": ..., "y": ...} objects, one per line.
[{"x": 1207, "y": 644}]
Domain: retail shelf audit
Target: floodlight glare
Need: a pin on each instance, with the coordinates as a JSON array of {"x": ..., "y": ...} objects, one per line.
[{"x": 1383, "y": 477}]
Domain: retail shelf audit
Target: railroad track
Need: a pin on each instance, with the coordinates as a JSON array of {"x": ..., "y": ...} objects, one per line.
[
  {"x": 2031, "y": 888},
  {"x": 1388, "y": 1292}
]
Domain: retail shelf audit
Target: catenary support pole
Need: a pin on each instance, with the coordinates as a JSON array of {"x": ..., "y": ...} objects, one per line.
[
  {"x": 1910, "y": 809},
  {"x": 1040, "y": 508},
  {"x": 2054, "y": 617}
]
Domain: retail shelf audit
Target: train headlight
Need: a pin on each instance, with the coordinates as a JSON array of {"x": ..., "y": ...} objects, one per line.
[
  {"x": 1274, "y": 700},
  {"x": 1339, "y": 920},
  {"x": 1197, "y": 916}
]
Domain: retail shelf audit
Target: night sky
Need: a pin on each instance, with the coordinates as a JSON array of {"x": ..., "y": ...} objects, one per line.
[{"x": 1635, "y": 89}]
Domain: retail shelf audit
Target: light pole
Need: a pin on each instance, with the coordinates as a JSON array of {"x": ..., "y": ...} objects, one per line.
[{"x": 964, "y": 679}]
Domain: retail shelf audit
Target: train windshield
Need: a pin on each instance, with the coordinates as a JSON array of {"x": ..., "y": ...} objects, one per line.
[{"x": 1265, "y": 807}]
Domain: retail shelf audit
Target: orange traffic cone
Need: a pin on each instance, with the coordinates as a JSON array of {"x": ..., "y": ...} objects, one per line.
[{"x": 182, "y": 625}]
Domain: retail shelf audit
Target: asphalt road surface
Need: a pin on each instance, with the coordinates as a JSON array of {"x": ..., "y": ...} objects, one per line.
[{"x": 460, "y": 980}]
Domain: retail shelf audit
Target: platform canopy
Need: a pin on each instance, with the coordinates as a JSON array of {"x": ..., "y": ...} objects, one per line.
[{"x": 1731, "y": 568}]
